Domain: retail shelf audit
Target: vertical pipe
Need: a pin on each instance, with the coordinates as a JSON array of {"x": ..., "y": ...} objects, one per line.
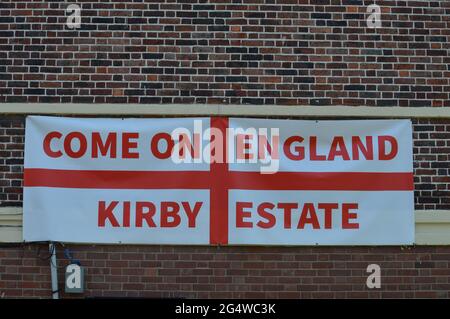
[{"x": 54, "y": 272}]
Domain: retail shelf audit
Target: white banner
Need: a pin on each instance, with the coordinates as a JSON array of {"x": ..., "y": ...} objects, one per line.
[{"x": 218, "y": 181}]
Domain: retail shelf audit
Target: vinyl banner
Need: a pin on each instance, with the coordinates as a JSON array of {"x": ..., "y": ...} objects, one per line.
[{"x": 218, "y": 181}]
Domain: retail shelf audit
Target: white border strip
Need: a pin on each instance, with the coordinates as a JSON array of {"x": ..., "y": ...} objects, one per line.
[{"x": 224, "y": 110}]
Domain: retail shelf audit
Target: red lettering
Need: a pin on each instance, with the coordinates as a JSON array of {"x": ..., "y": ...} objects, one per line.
[
  {"x": 68, "y": 144},
  {"x": 169, "y": 214},
  {"x": 155, "y": 143},
  {"x": 270, "y": 218},
  {"x": 313, "y": 150},
  {"x": 192, "y": 148},
  {"x": 382, "y": 154},
  {"x": 110, "y": 145},
  {"x": 358, "y": 146},
  {"x": 299, "y": 150},
  {"x": 105, "y": 213},
  {"x": 328, "y": 211},
  {"x": 287, "y": 208},
  {"x": 347, "y": 216},
  {"x": 338, "y": 149},
  {"x": 191, "y": 213},
  {"x": 242, "y": 146},
  {"x": 241, "y": 214},
  {"x": 128, "y": 145},
  {"x": 308, "y": 216},
  {"x": 126, "y": 214},
  {"x": 265, "y": 146},
  {"x": 145, "y": 211},
  {"x": 47, "y": 142}
]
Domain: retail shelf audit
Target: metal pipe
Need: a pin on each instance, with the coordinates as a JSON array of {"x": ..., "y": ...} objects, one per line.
[{"x": 54, "y": 270}]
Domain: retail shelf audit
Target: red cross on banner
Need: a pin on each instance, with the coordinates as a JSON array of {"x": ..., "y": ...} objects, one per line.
[{"x": 352, "y": 187}]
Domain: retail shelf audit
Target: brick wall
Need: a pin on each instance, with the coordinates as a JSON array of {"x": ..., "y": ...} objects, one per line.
[
  {"x": 304, "y": 52},
  {"x": 233, "y": 272},
  {"x": 12, "y": 138},
  {"x": 300, "y": 52},
  {"x": 431, "y": 163}
]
